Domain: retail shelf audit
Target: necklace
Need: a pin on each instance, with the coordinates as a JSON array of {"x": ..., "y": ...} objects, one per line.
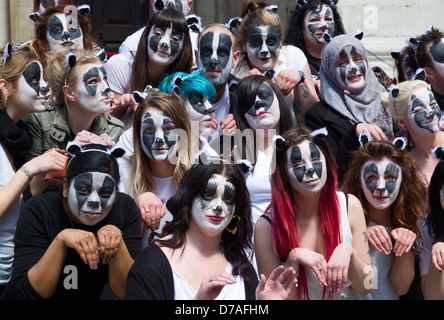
[{"x": 163, "y": 188}]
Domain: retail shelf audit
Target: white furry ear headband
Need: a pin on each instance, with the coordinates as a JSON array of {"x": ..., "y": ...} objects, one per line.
[{"x": 74, "y": 149}]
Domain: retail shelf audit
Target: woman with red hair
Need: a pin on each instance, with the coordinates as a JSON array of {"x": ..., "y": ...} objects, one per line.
[{"x": 310, "y": 226}]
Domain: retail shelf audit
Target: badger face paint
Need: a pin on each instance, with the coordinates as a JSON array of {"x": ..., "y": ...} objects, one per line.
[
  {"x": 181, "y": 5},
  {"x": 424, "y": 113},
  {"x": 33, "y": 90},
  {"x": 307, "y": 168},
  {"x": 263, "y": 47},
  {"x": 64, "y": 33},
  {"x": 93, "y": 91},
  {"x": 216, "y": 57},
  {"x": 437, "y": 53},
  {"x": 164, "y": 44},
  {"x": 317, "y": 22},
  {"x": 91, "y": 196},
  {"x": 158, "y": 135},
  {"x": 265, "y": 112},
  {"x": 200, "y": 110},
  {"x": 381, "y": 182},
  {"x": 213, "y": 210},
  {"x": 351, "y": 69}
]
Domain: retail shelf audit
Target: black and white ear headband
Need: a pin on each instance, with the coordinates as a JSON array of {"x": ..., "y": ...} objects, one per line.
[
  {"x": 6, "y": 56},
  {"x": 281, "y": 143},
  {"x": 194, "y": 23},
  {"x": 74, "y": 149},
  {"x": 394, "y": 92},
  {"x": 273, "y": 8},
  {"x": 400, "y": 143},
  {"x": 303, "y": 3},
  {"x": 234, "y": 23},
  {"x": 359, "y": 34},
  {"x": 84, "y": 9},
  {"x": 438, "y": 153}
]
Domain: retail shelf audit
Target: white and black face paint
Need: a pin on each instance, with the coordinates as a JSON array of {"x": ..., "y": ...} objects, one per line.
[
  {"x": 164, "y": 44},
  {"x": 216, "y": 57},
  {"x": 200, "y": 110},
  {"x": 307, "y": 168},
  {"x": 265, "y": 112},
  {"x": 437, "y": 53},
  {"x": 424, "y": 112},
  {"x": 93, "y": 91},
  {"x": 350, "y": 69},
  {"x": 181, "y": 5},
  {"x": 91, "y": 196},
  {"x": 381, "y": 182},
  {"x": 33, "y": 90},
  {"x": 158, "y": 135},
  {"x": 64, "y": 33},
  {"x": 263, "y": 47},
  {"x": 317, "y": 22},
  {"x": 213, "y": 210}
]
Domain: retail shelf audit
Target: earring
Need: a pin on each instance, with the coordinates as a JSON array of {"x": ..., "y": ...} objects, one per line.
[
  {"x": 187, "y": 220},
  {"x": 234, "y": 230}
]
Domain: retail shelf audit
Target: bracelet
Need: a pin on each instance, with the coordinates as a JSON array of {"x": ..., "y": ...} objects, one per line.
[{"x": 26, "y": 172}]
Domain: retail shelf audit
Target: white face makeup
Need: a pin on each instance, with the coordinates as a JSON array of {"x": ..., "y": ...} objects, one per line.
[
  {"x": 200, "y": 109},
  {"x": 64, "y": 33},
  {"x": 437, "y": 54},
  {"x": 307, "y": 168},
  {"x": 181, "y": 5},
  {"x": 263, "y": 47},
  {"x": 424, "y": 112},
  {"x": 317, "y": 22},
  {"x": 216, "y": 57},
  {"x": 265, "y": 112},
  {"x": 33, "y": 90},
  {"x": 91, "y": 196},
  {"x": 158, "y": 135},
  {"x": 381, "y": 181},
  {"x": 164, "y": 44},
  {"x": 93, "y": 91},
  {"x": 213, "y": 210},
  {"x": 350, "y": 69}
]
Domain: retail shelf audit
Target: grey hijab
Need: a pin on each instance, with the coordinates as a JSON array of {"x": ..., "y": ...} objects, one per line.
[{"x": 364, "y": 106}]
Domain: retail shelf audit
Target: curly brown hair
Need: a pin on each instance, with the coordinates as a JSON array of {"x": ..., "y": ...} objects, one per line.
[{"x": 410, "y": 205}]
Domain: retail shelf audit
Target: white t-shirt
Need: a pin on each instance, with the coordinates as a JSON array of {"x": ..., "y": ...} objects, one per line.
[
  {"x": 221, "y": 110},
  {"x": 8, "y": 222},
  {"x": 118, "y": 69}
]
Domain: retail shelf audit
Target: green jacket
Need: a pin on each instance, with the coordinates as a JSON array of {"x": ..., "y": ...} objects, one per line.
[{"x": 50, "y": 129}]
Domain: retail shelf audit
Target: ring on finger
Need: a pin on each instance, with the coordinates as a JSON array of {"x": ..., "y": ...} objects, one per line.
[
  {"x": 320, "y": 269},
  {"x": 211, "y": 278}
]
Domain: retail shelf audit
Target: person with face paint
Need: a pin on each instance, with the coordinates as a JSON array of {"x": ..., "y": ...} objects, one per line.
[
  {"x": 262, "y": 53},
  {"x": 57, "y": 31},
  {"x": 394, "y": 201},
  {"x": 350, "y": 99},
  {"x": 431, "y": 252},
  {"x": 80, "y": 99},
  {"x": 429, "y": 55},
  {"x": 405, "y": 63},
  {"x": 88, "y": 229},
  {"x": 217, "y": 56},
  {"x": 202, "y": 253},
  {"x": 165, "y": 47},
  {"x": 311, "y": 226},
  {"x": 417, "y": 113},
  {"x": 22, "y": 91},
  {"x": 307, "y": 25},
  {"x": 160, "y": 155}
]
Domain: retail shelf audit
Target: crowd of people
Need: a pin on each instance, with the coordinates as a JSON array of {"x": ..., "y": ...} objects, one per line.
[{"x": 233, "y": 161}]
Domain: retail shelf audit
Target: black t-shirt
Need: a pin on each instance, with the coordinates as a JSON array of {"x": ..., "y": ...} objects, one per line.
[{"x": 41, "y": 220}]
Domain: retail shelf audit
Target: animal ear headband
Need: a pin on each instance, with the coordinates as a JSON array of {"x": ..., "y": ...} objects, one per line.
[
  {"x": 400, "y": 143},
  {"x": 281, "y": 143},
  {"x": 194, "y": 23},
  {"x": 234, "y": 23},
  {"x": 35, "y": 17},
  {"x": 74, "y": 149},
  {"x": 359, "y": 34},
  {"x": 6, "y": 56},
  {"x": 303, "y": 3},
  {"x": 438, "y": 152}
]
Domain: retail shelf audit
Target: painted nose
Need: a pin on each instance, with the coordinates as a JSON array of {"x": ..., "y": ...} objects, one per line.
[
  {"x": 158, "y": 140},
  {"x": 66, "y": 36},
  {"x": 310, "y": 172},
  {"x": 218, "y": 209},
  {"x": 258, "y": 104},
  {"x": 94, "y": 204},
  {"x": 44, "y": 90}
]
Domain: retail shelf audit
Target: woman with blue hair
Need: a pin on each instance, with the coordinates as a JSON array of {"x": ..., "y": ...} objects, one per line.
[{"x": 197, "y": 91}]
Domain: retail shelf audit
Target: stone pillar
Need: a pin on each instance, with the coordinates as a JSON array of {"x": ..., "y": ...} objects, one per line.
[{"x": 21, "y": 28}]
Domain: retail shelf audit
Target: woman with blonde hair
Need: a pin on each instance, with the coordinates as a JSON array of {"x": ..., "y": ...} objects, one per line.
[
  {"x": 22, "y": 91},
  {"x": 260, "y": 38},
  {"x": 80, "y": 99},
  {"x": 162, "y": 143},
  {"x": 415, "y": 110}
]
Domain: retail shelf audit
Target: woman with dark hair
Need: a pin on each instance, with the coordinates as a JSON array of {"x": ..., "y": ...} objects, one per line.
[
  {"x": 202, "y": 252},
  {"x": 384, "y": 177},
  {"x": 309, "y": 20},
  {"x": 262, "y": 52},
  {"x": 89, "y": 220},
  {"x": 164, "y": 47},
  {"x": 431, "y": 255},
  {"x": 310, "y": 226}
]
